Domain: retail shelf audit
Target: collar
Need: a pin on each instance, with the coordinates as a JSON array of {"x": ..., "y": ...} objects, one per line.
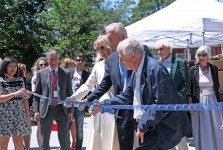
[
  {"x": 56, "y": 70},
  {"x": 168, "y": 60},
  {"x": 139, "y": 70}
]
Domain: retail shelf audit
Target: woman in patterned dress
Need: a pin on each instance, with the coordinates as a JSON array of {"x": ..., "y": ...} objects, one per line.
[{"x": 14, "y": 106}]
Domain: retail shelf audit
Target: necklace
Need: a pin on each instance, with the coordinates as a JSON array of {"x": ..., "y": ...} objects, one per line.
[{"x": 205, "y": 69}]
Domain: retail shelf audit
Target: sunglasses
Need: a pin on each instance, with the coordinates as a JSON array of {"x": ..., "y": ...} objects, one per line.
[
  {"x": 80, "y": 60},
  {"x": 159, "y": 49},
  {"x": 41, "y": 65},
  {"x": 101, "y": 48},
  {"x": 203, "y": 55}
]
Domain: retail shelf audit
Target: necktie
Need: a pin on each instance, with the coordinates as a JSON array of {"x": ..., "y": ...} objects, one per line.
[
  {"x": 54, "y": 88},
  {"x": 54, "y": 73}
]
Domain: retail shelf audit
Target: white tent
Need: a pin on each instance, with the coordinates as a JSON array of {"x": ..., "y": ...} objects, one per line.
[{"x": 186, "y": 23}]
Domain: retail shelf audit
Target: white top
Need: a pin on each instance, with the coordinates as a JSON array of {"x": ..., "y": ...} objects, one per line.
[
  {"x": 76, "y": 80},
  {"x": 93, "y": 80},
  {"x": 206, "y": 82},
  {"x": 138, "y": 112}
]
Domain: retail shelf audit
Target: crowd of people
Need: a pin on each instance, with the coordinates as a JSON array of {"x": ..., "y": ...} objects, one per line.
[{"x": 124, "y": 74}]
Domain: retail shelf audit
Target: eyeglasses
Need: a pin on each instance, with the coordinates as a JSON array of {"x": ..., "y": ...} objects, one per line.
[
  {"x": 159, "y": 49},
  {"x": 203, "y": 55},
  {"x": 121, "y": 58},
  {"x": 41, "y": 65}
]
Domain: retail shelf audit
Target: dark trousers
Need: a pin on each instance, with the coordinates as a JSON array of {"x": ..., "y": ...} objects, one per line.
[
  {"x": 150, "y": 142},
  {"x": 126, "y": 137},
  {"x": 55, "y": 113},
  {"x": 79, "y": 120},
  {"x": 126, "y": 128}
]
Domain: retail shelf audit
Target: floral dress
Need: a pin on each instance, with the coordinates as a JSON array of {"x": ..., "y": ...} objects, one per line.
[{"x": 13, "y": 120}]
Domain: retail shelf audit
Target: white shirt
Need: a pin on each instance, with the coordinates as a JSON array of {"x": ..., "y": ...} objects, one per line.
[
  {"x": 76, "y": 80},
  {"x": 138, "y": 112},
  {"x": 167, "y": 63}
]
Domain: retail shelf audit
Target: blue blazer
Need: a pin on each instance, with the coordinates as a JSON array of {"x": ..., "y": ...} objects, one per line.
[
  {"x": 112, "y": 77},
  {"x": 157, "y": 88}
]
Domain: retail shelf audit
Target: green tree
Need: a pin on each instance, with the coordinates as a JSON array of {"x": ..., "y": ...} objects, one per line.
[
  {"x": 73, "y": 25},
  {"x": 19, "y": 30},
  {"x": 31, "y": 27}
]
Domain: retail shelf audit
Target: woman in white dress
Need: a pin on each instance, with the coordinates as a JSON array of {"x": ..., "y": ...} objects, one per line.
[
  {"x": 103, "y": 132},
  {"x": 208, "y": 124}
]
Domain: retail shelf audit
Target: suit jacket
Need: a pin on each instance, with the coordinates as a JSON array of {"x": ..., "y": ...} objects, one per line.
[
  {"x": 112, "y": 77},
  {"x": 44, "y": 85},
  {"x": 180, "y": 76},
  {"x": 194, "y": 90},
  {"x": 157, "y": 88}
]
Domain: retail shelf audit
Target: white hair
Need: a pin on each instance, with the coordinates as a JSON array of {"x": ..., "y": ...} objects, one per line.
[
  {"x": 119, "y": 28},
  {"x": 205, "y": 49},
  {"x": 129, "y": 46},
  {"x": 52, "y": 51},
  {"x": 166, "y": 44}
]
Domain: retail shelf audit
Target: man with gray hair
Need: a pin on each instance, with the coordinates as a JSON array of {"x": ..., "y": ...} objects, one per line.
[
  {"x": 150, "y": 83},
  {"x": 179, "y": 72},
  {"x": 55, "y": 83},
  {"x": 117, "y": 76}
]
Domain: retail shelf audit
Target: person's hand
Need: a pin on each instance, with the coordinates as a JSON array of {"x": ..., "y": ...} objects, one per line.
[
  {"x": 21, "y": 92},
  {"x": 140, "y": 136},
  {"x": 68, "y": 102},
  {"x": 95, "y": 108},
  {"x": 193, "y": 112},
  {"x": 37, "y": 117},
  {"x": 81, "y": 106}
]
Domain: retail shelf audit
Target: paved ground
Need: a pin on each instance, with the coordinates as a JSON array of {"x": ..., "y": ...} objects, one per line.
[{"x": 54, "y": 140}]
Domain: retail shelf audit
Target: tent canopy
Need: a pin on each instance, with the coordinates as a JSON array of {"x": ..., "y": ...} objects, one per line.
[{"x": 186, "y": 23}]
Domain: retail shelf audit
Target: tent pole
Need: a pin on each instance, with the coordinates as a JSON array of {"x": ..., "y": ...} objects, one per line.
[
  {"x": 203, "y": 38},
  {"x": 188, "y": 51}
]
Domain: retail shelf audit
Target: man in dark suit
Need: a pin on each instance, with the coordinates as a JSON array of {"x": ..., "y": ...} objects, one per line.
[
  {"x": 55, "y": 83},
  {"x": 117, "y": 75},
  {"x": 179, "y": 72},
  {"x": 79, "y": 76},
  {"x": 150, "y": 83}
]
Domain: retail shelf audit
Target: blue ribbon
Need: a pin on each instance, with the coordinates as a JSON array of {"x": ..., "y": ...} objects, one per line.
[{"x": 160, "y": 107}]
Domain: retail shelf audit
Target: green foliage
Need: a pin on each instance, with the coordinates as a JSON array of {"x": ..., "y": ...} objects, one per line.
[
  {"x": 28, "y": 28},
  {"x": 19, "y": 30},
  {"x": 73, "y": 25}
]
